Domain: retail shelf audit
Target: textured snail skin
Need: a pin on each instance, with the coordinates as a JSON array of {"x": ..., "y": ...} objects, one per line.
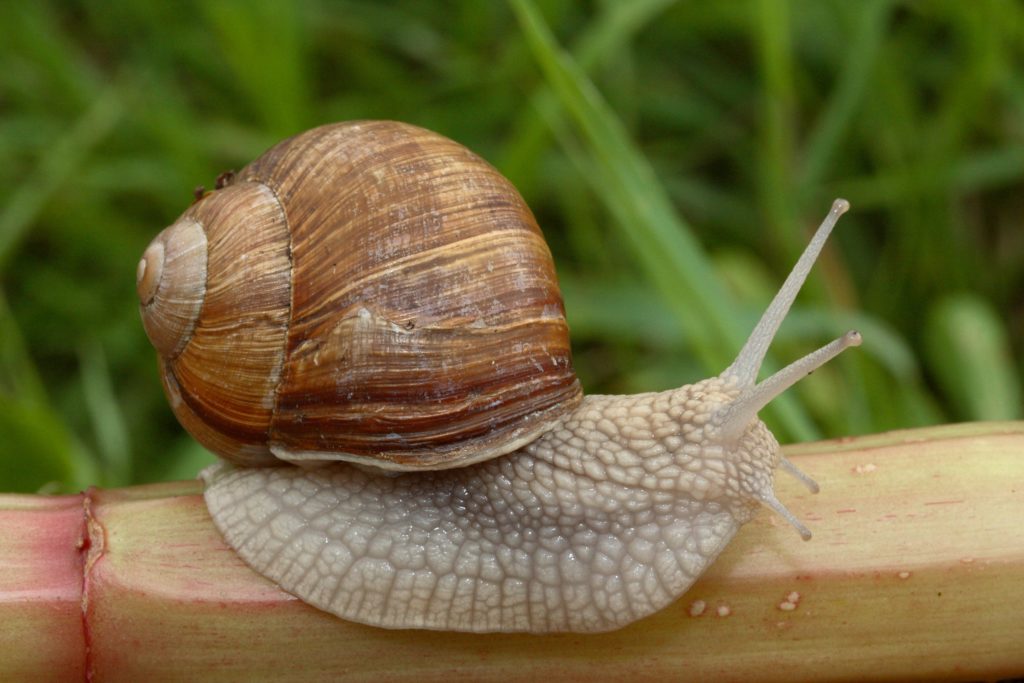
[{"x": 604, "y": 519}]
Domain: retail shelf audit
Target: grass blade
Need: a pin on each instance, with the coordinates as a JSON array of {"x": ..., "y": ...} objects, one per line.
[
  {"x": 105, "y": 412},
  {"x": 58, "y": 163},
  {"x": 663, "y": 243},
  {"x": 969, "y": 352},
  {"x": 825, "y": 137}
]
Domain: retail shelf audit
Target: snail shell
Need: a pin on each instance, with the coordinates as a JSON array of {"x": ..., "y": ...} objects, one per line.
[{"x": 366, "y": 291}]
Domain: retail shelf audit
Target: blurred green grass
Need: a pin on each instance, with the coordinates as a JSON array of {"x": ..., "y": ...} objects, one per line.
[{"x": 677, "y": 155}]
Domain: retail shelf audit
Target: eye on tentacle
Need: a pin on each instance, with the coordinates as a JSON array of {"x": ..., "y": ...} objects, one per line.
[
  {"x": 733, "y": 419},
  {"x": 747, "y": 364}
]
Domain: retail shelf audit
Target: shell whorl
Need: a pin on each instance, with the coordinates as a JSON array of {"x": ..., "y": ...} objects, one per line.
[
  {"x": 222, "y": 378},
  {"x": 171, "y": 283}
]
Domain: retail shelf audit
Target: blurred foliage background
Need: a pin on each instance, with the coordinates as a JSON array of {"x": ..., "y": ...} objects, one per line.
[{"x": 677, "y": 155}]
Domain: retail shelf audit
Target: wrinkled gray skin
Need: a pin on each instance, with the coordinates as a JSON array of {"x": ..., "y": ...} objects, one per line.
[{"x": 603, "y": 520}]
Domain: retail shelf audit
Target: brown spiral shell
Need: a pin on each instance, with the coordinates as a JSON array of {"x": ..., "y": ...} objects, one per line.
[{"x": 367, "y": 291}]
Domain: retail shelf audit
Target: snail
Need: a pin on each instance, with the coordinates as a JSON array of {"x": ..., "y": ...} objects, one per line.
[{"x": 365, "y": 325}]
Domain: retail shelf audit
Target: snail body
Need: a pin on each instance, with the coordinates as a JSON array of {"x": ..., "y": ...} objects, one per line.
[{"x": 373, "y": 293}]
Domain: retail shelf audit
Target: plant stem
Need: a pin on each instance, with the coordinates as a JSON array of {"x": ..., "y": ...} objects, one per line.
[{"x": 914, "y": 572}]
